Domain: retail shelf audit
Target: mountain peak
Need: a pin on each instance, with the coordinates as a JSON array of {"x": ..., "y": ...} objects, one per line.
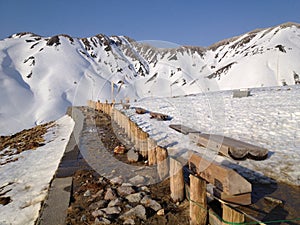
[{"x": 73, "y": 70}]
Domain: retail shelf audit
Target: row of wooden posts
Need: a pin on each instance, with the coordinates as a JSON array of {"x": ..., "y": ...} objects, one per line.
[{"x": 167, "y": 166}]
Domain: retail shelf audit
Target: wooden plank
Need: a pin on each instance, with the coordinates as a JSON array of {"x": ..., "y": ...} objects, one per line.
[
  {"x": 229, "y": 147},
  {"x": 213, "y": 219},
  {"x": 241, "y": 199},
  {"x": 183, "y": 129},
  {"x": 223, "y": 178},
  {"x": 230, "y": 215},
  {"x": 198, "y": 201},
  {"x": 140, "y": 110},
  {"x": 176, "y": 181},
  {"x": 159, "y": 116}
]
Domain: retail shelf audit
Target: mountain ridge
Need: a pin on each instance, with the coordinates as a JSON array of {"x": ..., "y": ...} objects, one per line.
[{"x": 41, "y": 76}]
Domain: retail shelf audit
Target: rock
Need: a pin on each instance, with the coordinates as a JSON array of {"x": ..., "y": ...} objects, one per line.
[
  {"x": 132, "y": 156},
  {"x": 112, "y": 210},
  {"x": 126, "y": 185},
  {"x": 129, "y": 222},
  {"x": 161, "y": 212},
  {"x": 137, "y": 180},
  {"x": 97, "y": 213},
  {"x": 98, "y": 205},
  {"x": 145, "y": 189},
  {"x": 116, "y": 180},
  {"x": 83, "y": 218},
  {"x": 101, "y": 220},
  {"x": 150, "y": 203},
  {"x": 137, "y": 212},
  {"x": 119, "y": 150},
  {"x": 98, "y": 194},
  {"x": 101, "y": 181},
  {"x": 110, "y": 194},
  {"x": 125, "y": 190},
  {"x": 87, "y": 193},
  {"x": 137, "y": 197},
  {"x": 116, "y": 202}
]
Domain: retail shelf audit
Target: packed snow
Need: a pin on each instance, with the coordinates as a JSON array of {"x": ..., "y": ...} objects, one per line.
[
  {"x": 270, "y": 118},
  {"x": 26, "y": 181}
]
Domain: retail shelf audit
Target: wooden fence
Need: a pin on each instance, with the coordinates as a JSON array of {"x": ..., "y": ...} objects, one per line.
[{"x": 229, "y": 186}]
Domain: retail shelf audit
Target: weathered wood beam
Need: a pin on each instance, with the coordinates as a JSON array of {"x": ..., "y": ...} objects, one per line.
[{"x": 223, "y": 178}]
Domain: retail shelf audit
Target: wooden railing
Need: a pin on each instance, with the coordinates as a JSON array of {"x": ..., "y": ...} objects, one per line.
[{"x": 229, "y": 186}]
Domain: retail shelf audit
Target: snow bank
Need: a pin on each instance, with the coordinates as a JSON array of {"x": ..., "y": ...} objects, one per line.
[{"x": 27, "y": 179}]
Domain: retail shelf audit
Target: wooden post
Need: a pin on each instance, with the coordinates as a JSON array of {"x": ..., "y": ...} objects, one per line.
[
  {"x": 129, "y": 129},
  {"x": 144, "y": 144},
  {"x": 136, "y": 137},
  {"x": 151, "y": 152},
  {"x": 176, "y": 181},
  {"x": 198, "y": 201},
  {"x": 162, "y": 162},
  {"x": 231, "y": 216}
]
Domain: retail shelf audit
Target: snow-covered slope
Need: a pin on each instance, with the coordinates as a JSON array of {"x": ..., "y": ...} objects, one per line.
[{"x": 40, "y": 77}]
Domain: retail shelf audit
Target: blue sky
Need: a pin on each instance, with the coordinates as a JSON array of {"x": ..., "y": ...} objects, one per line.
[{"x": 190, "y": 22}]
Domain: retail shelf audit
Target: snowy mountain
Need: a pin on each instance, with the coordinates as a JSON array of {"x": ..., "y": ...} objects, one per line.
[{"x": 41, "y": 76}]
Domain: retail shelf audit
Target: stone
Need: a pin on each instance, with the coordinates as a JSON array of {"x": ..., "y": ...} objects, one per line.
[
  {"x": 112, "y": 210},
  {"x": 119, "y": 150},
  {"x": 129, "y": 222},
  {"x": 102, "y": 221},
  {"x": 87, "y": 193},
  {"x": 97, "y": 213},
  {"x": 98, "y": 194},
  {"x": 134, "y": 198},
  {"x": 115, "y": 202},
  {"x": 137, "y": 212},
  {"x": 83, "y": 218},
  {"x": 98, "y": 205},
  {"x": 110, "y": 194},
  {"x": 116, "y": 180},
  {"x": 150, "y": 203},
  {"x": 145, "y": 189},
  {"x": 137, "y": 180},
  {"x": 125, "y": 190},
  {"x": 161, "y": 212},
  {"x": 126, "y": 185},
  {"x": 132, "y": 156}
]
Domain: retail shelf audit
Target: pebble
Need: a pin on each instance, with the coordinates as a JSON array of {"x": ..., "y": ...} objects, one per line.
[
  {"x": 134, "y": 198},
  {"x": 137, "y": 180},
  {"x": 161, "y": 212},
  {"x": 101, "y": 220},
  {"x": 117, "y": 180},
  {"x": 129, "y": 222},
  {"x": 125, "y": 190},
  {"x": 137, "y": 212},
  {"x": 87, "y": 193},
  {"x": 150, "y": 203},
  {"x": 112, "y": 210},
  {"x": 132, "y": 156},
  {"x": 98, "y": 205},
  {"x": 116, "y": 202},
  {"x": 110, "y": 194}
]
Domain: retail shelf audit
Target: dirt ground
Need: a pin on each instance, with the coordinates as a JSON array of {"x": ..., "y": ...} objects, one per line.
[{"x": 83, "y": 205}]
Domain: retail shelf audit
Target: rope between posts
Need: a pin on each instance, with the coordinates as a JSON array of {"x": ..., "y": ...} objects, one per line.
[{"x": 236, "y": 223}]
